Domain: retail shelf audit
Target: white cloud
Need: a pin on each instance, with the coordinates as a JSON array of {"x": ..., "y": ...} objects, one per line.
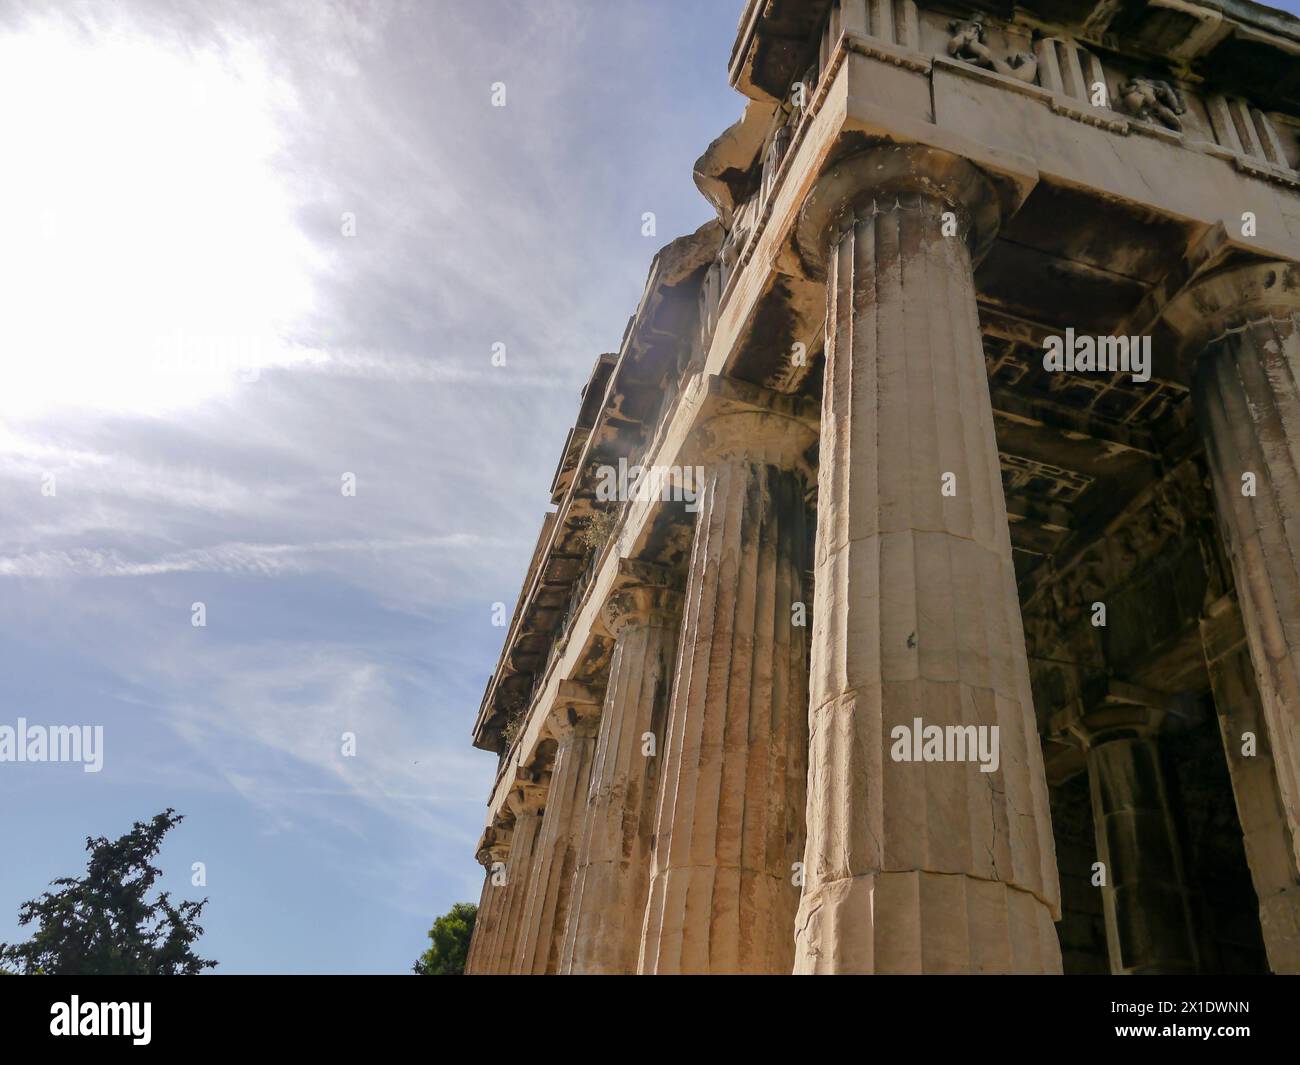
[
  {"x": 267, "y": 560},
  {"x": 150, "y": 253}
]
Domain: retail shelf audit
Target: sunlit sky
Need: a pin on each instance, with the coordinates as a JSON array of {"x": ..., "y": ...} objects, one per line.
[
  {"x": 250, "y": 248},
  {"x": 153, "y": 232}
]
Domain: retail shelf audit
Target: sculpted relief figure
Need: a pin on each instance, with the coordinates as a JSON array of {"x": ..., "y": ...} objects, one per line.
[
  {"x": 732, "y": 247},
  {"x": 1147, "y": 98},
  {"x": 967, "y": 42}
]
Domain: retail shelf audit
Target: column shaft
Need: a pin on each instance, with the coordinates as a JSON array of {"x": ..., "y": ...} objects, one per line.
[
  {"x": 1148, "y": 914},
  {"x": 555, "y": 856},
  {"x": 929, "y": 866},
  {"x": 1248, "y": 403},
  {"x": 528, "y": 822},
  {"x": 483, "y": 924},
  {"x": 607, "y": 900},
  {"x": 487, "y": 925},
  {"x": 730, "y": 824},
  {"x": 1266, "y": 835}
]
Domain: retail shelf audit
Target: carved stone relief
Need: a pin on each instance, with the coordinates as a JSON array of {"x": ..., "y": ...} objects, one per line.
[
  {"x": 1150, "y": 98},
  {"x": 968, "y": 42}
]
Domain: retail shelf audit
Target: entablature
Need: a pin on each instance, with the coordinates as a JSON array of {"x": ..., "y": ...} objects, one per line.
[
  {"x": 622, "y": 405},
  {"x": 1233, "y": 43}
]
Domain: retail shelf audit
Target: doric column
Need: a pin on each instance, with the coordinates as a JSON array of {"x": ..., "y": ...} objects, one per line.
[
  {"x": 1266, "y": 835},
  {"x": 730, "y": 825},
  {"x": 494, "y": 851},
  {"x": 482, "y": 920},
  {"x": 526, "y": 802},
  {"x": 1244, "y": 325},
  {"x": 915, "y": 866},
  {"x": 1145, "y": 897},
  {"x": 603, "y": 930},
  {"x": 573, "y": 723}
]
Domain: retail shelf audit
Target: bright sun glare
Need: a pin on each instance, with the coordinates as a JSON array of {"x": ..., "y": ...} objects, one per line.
[{"x": 149, "y": 258}]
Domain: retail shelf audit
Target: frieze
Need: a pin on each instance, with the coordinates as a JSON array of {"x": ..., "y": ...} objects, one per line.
[
  {"x": 968, "y": 42},
  {"x": 1148, "y": 98}
]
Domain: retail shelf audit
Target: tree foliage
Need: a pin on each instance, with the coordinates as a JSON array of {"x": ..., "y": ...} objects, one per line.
[
  {"x": 103, "y": 922},
  {"x": 449, "y": 942}
]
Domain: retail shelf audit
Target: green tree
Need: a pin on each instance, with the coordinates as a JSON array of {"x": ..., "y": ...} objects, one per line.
[
  {"x": 448, "y": 942},
  {"x": 103, "y": 923}
]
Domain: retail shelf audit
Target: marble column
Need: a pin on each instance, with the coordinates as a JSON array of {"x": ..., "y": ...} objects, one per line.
[
  {"x": 493, "y": 854},
  {"x": 1145, "y": 898},
  {"x": 482, "y": 921},
  {"x": 1266, "y": 835},
  {"x": 917, "y": 866},
  {"x": 730, "y": 824},
  {"x": 526, "y": 802},
  {"x": 1243, "y": 326},
  {"x": 573, "y": 723},
  {"x": 611, "y": 877}
]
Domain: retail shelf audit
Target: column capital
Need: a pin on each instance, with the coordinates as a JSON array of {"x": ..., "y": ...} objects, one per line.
[
  {"x": 645, "y": 593},
  {"x": 1233, "y": 297},
  {"x": 741, "y": 420},
  {"x": 1223, "y": 631},
  {"x": 494, "y": 846},
  {"x": 899, "y": 177},
  {"x": 576, "y": 711},
  {"x": 756, "y": 436},
  {"x": 641, "y": 605},
  {"x": 1120, "y": 710},
  {"x": 529, "y": 798}
]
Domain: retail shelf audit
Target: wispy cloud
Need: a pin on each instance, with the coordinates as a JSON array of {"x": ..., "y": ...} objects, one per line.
[
  {"x": 134, "y": 482},
  {"x": 266, "y": 560}
]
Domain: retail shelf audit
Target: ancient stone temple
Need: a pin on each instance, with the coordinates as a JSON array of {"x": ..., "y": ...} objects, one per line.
[{"x": 922, "y": 589}]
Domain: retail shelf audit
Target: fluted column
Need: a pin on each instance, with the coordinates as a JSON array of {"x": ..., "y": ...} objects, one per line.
[
  {"x": 1245, "y": 324},
  {"x": 481, "y": 920},
  {"x": 574, "y": 723},
  {"x": 730, "y": 823},
  {"x": 488, "y": 921},
  {"x": 915, "y": 866},
  {"x": 526, "y": 802},
  {"x": 607, "y": 901},
  {"x": 1266, "y": 835},
  {"x": 1145, "y": 897}
]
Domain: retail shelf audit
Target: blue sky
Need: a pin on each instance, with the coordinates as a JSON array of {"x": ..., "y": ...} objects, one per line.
[{"x": 197, "y": 354}]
